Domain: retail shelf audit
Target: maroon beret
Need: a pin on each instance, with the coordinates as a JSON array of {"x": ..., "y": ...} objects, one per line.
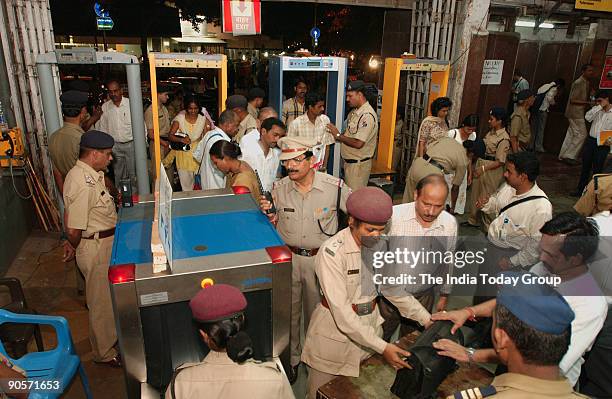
[
  {"x": 370, "y": 205},
  {"x": 217, "y": 302}
]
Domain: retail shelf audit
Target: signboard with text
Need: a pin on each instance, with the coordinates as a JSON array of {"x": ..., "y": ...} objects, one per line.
[
  {"x": 594, "y": 5},
  {"x": 241, "y": 17},
  {"x": 606, "y": 74},
  {"x": 492, "y": 72}
]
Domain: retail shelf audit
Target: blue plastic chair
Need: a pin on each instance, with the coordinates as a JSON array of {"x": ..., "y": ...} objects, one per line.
[{"x": 60, "y": 363}]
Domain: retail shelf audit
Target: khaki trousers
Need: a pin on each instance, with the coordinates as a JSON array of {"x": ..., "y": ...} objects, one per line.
[
  {"x": 356, "y": 175},
  {"x": 482, "y": 186},
  {"x": 419, "y": 169},
  {"x": 316, "y": 379},
  {"x": 574, "y": 139},
  {"x": 93, "y": 258},
  {"x": 305, "y": 295}
]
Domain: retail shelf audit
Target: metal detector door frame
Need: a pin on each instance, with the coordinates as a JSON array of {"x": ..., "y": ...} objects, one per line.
[
  {"x": 436, "y": 74},
  {"x": 185, "y": 61},
  {"x": 336, "y": 69},
  {"x": 89, "y": 56}
]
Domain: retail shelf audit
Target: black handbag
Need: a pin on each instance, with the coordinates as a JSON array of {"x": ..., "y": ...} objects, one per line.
[{"x": 428, "y": 368}]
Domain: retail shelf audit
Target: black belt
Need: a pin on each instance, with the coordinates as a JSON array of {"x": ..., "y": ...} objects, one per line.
[
  {"x": 101, "y": 234},
  {"x": 357, "y": 160},
  {"x": 362, "y": 309},
  {"x": 433, "y": 162},
  {"x": 303, "y": 251},
  {"x": 489, "y": 158}
]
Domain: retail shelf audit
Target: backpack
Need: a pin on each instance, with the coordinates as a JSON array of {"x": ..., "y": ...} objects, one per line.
[{"x": 539, "y": 100}]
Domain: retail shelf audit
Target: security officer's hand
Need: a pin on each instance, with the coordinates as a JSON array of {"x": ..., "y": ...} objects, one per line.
[
  {"x": 394, "y": 355},
  {"x": 265, "y": 206},
  {"x": 482, "y": 201},
  {"x": 69, "y": 251},
  {"x": 333, "y": 130},
  {"x": 451, "y": 349}
]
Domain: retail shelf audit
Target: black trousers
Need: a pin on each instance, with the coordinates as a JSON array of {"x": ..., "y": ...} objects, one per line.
[
  {"x": 593, "y": 160},
  {"x": 595, "y": 376}
]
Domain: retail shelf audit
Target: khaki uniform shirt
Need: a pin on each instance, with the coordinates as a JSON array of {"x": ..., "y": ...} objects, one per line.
[
  {"x": 452, "y": 155},
  {"x": 338, "y": 339},
  {"x": 519, "y": 126},
  {"x": 219, "y": 377},
  {"x": 245, "y": 179},
  {"x": 578, "y": 92},
  {"x": 299, "y": 214},
  {"x": 497, "y": 144},
  {"x": 254, "y": 112},
  {"x": 249, "y": 123},
  {"x": 593, "y": 202},
  {"x": 511, "y": 385},
  {"x": 292, "y": 108},
  {"x": 361, "y": 124},
  {"x": 164, "y": 120},
  {"x": 519, "y": 226},
  {"x": 64, "y": 147},
  {"x": 88, "y": 203}
]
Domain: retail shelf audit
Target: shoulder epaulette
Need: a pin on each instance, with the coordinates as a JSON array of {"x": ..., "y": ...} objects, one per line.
[{"x": 482, "y": 392}]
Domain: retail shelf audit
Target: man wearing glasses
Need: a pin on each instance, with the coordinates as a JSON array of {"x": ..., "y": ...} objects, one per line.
[{"x": 306, "y": 215}]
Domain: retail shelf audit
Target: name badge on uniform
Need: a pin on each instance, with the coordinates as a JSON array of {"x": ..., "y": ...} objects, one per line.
[
  {"x": 288, "y": 209},
  {"x": 352, "y": 271}
]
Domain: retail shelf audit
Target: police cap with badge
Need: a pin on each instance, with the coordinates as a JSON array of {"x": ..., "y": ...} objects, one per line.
[{"x": 73, "y": 101}]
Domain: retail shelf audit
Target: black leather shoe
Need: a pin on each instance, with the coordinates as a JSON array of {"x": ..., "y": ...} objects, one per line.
[{"x": 293, "y": 374}]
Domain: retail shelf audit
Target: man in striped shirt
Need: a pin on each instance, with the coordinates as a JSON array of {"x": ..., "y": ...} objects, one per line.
[
  {"x": 313, "y": 125},
  {"x": 294, "y": 107}
]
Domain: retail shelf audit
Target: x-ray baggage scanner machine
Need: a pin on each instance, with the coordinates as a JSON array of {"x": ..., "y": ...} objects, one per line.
[{"x": 336, "y": 69}]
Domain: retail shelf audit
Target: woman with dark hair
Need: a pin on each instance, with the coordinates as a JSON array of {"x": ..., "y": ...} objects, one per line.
[
  {"x": 434, "y": 126},
  {"x": 467, "y": 131},
  {"x": 224, "y": 155},
  {"x": 227, "y": 371},
  {"x": 185, "y": 133},
  {"x": 488, "y": 173}
]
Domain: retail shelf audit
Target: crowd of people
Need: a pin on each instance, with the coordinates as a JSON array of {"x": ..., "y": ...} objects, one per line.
[{"x": 551, "y": 340}]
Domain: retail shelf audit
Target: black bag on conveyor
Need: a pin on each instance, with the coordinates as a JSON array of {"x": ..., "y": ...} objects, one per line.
[{"x": 428, "y": 368}]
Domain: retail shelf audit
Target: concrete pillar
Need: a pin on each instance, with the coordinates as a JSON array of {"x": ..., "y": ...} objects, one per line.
[{"x": 473, "y": 20}]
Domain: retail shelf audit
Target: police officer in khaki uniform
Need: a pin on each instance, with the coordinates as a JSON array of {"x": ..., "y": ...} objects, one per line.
[
  {"x": 489, "y": 171},
  {"x": 520, "y": 129},
  {"x": 359, "y": 138},
  {"x": 306, "y": 215},
  {"x": 597, "y": 196},
  {"x": 238, "y": 103},
  {"x": 346, "y": 326},
  {"x": 443, "y": 156},
  {"x": 164, "y": 123},
  {"x": 90, "y": 226},
  {"x": 64, "y": 143},
  {"x": 227, "y": 371},
  {"x": 524, "y": 310}
]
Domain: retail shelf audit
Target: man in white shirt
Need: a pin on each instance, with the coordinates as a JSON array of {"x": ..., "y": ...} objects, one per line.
[
  {"x": 546, "y": 96},
  {"x": 516, "y": 229},
  {"x": 313, "y": 125},
  {"x": 116, "y": 120},
  {"x": 425, "y": 217},
  {"x": 210, "y": 176},
  {"x": 252, "y": 136},
  {"x": 594, "y": 153},
  {"x": 263, "y": 154}
]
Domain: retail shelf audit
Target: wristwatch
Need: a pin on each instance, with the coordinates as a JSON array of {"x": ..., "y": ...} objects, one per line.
[{"x": 470, "y": 354}]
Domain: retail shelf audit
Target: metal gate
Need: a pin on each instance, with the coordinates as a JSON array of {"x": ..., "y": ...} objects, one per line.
[{"x": 415, "y": 110}]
